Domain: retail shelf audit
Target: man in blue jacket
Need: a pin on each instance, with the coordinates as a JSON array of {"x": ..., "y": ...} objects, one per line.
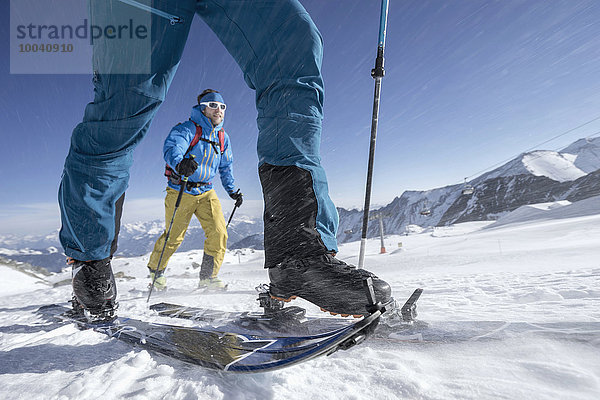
[
  {"x": 197, "y": 149},
  {"x": 279, "y": 50}
]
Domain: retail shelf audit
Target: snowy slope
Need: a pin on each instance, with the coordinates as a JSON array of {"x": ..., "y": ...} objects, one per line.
[
  {"x": 15, "y": 281},
  {"x": 556, "y": 166},
  {"x": 548, "y": 211},
  {"x": 536, "y": 270}
]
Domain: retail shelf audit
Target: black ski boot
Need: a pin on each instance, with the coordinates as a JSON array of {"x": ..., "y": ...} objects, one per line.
[
  {"x": 94, "y": 289},
  {"x": 207, "y": 267},
  {"x": 77, "y": 310},
  {"x": 331, "y": 284}
]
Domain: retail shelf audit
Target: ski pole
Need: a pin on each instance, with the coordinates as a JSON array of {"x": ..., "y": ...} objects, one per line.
[
  {"x": 232, "y": 212},
  {"x": 377, "y": 73},
  {"x": 181, "y": 190}
]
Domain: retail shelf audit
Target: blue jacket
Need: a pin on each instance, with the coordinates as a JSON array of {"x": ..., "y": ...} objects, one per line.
[{"x": 209, "y": 160}]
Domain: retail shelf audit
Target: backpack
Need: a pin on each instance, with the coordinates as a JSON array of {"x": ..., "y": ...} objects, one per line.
[{"x": 173, "y": 176}]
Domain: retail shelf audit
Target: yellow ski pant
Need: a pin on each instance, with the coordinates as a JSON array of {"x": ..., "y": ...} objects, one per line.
[{"x": 207, "y": 208}]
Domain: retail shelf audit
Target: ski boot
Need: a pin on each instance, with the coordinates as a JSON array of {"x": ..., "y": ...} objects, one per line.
[
  {"x": 207, "y": 280},
  {"x": 336, "y": 287},
  {"x": 212, "y": 284},
  {"x": 77, "y": 311},
  {"x": 160, "y": 282},
  {"x": 94, "y": 289}
]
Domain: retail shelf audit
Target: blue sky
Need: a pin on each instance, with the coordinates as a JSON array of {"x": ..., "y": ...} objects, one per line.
[{"x": 468, "y": 83}]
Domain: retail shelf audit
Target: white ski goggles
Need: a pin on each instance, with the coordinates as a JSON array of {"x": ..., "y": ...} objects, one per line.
[{"x": 214, "y": 105}]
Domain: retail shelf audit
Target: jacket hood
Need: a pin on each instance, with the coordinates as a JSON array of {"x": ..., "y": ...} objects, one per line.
[{"x": 203, "y": 121}]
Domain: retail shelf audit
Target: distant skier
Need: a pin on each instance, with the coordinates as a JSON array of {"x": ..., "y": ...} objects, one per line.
[
  {"x": 200, "y": 161},
  {"x": 279, "y": 50}
]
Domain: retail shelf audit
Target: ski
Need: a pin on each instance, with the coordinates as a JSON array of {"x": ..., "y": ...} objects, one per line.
[
  {"x": 398, "y": 325},
  {"x": 237, "y": 345},
  {"x": 292, "y": 318}
]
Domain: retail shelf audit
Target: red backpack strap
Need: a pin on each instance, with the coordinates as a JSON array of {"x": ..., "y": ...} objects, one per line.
[
  {"x": 196, "y": 138},
  {"x": 222, "y": 140}
]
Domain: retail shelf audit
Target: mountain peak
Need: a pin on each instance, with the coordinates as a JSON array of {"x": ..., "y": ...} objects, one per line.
[
  {"x": 587, "y": 152},
  {"x": 582, "y": 144},
  {"x": 573, "y": 162}
]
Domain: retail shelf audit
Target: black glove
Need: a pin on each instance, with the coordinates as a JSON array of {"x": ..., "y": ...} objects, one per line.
[
  {"x": 187, "y": 167},
  {"x": 238, "y": 197}
]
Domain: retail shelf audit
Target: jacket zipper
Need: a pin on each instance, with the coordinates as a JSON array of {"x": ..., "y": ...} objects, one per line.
[
  {"x": 209, "y": 161},
  {"x": 173, "y": 18}
]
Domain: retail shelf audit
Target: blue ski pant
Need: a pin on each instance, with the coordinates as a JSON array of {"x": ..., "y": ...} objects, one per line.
[{"x": 279, "y": 50}]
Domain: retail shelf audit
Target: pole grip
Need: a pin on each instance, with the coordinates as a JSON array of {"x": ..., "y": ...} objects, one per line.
[
  {"x": 182, "y": 185},
  {"x": 232, "y": 212}
]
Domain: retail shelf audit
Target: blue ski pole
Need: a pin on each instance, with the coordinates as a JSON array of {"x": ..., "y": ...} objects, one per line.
[{"x": 377, "y": 73}]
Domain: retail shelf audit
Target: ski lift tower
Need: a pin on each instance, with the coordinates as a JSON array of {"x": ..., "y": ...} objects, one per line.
[{"x": 379, "y": 216}]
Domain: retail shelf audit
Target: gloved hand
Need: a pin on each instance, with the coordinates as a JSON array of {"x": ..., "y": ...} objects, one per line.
[
  {"x": 238, "y": 197},
  {"x": 186, "y": 167}
]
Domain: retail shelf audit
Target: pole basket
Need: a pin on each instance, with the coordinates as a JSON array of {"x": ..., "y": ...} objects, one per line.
[{"x": 382, "y": 250}]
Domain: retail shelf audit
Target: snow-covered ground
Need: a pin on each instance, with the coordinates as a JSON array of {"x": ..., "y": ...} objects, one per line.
[{"x": 540, "y": 265}]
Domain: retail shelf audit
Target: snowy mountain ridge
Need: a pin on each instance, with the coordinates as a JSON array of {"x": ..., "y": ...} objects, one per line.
[
  {"x": 135, "y": 239},
  {"x": 535, "y": 177},
  {"x": 588, "y": 153}
]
